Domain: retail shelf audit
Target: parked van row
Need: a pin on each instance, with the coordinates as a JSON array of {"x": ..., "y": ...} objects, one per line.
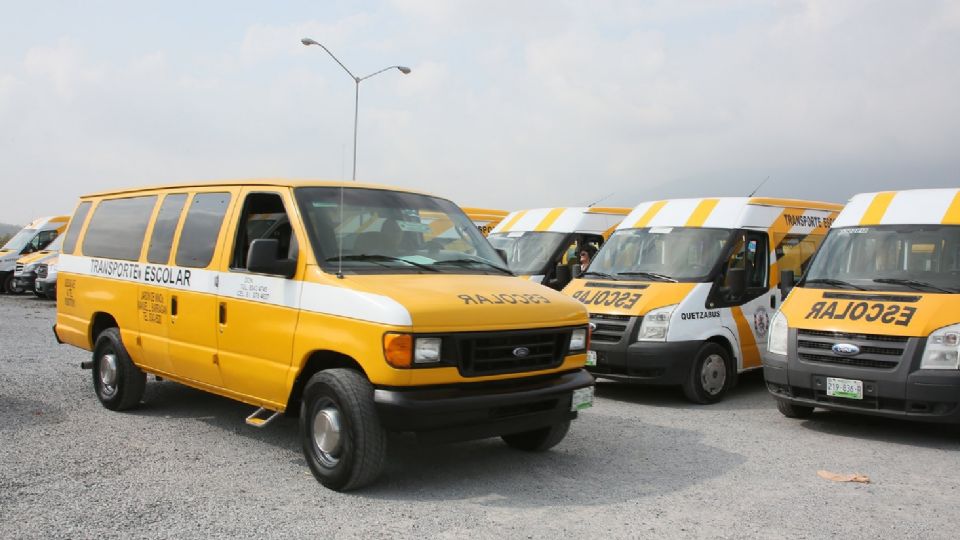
[{"x": 33, "y": 238}]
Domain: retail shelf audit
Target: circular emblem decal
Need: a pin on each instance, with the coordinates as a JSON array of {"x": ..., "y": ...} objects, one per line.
[
  {"x": 845, "y": 349},
  {"x": 521, "y": 352},
  {"x": 761, "y": 322}
]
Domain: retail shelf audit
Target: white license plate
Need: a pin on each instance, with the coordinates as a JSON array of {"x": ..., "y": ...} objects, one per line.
[
  {"x": 582, "y": 399},
  {"x": 591, "y": 358},
  {"x": 845, "y": 388}
]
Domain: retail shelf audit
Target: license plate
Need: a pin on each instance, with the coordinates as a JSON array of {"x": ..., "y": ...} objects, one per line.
[
  {"x": 582, "y": 399},
  {"x": 845, "y": 388},
  {"x": 591, "y": 358}
]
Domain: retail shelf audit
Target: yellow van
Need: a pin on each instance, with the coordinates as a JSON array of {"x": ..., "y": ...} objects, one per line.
[
  {"x": 541, "y": 244},
  {"x": 683, "y": 291},
  {"x": 343, "y": 308},
  {"x": 30, "y": 239},
  {"x": 873, "y": 327}
]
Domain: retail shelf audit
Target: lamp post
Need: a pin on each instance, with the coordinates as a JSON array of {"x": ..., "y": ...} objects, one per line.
[{"x": 356, "y": 101}]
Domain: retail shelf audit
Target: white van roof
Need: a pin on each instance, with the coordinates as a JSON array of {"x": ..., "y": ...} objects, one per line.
[
  {"x": 579, "y": 219},
  {"x": 909, "y": 207},
  {"x": 730, "y": 213}
]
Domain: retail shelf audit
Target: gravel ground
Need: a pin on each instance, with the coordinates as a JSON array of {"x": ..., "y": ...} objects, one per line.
[{"x": 641, "y": 463}]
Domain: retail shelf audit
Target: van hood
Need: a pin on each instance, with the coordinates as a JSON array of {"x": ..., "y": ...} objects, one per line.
[
  {"x": 479, "y": 302},
  {"x": 632, "y": 298},
  {"x": 900, "y": 313},
  {"x": 35, "y": 256}
]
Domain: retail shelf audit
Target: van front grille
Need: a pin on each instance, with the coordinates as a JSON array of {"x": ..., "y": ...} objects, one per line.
[
  {"x": 492, "y": 353},
  {"x": 608, "y": 328},
  {"x": 875, "y": 351},
  {"x": 18, "y": 269}
]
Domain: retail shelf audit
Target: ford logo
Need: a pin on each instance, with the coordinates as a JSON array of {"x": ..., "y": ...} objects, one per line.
[
  {"x": 521, "y": 352},
  {"x": 593, "y": 327},
  {"x": 845, "y": 349}
]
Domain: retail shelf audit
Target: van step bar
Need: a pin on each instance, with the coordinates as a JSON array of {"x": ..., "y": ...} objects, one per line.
[
  {"x": 86, "y": 365},
  {"x": 258, "y": 420}
]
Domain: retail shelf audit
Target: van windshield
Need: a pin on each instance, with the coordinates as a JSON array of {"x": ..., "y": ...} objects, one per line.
[
  {"x": 688, "y": 254},
  {"x": 889, "y": 257},
  {"x": 20, "y": 240},
  {"x": 529, "y": 252},
  {"x": 385, "y": 231}
]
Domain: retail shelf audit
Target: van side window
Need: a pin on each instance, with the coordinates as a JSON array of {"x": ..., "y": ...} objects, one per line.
[
  {"x": 198, "y": 238},
  {"x": 263, "y": 217},
  {"x": 42, "y": 239},
  {"x": 117, "y": 228},
  {"x": 76, "y": 223},
  {"x": 794, "y": 251},
  {"x": 165, "y": 225},
  {"x": 748, "y": 261}
]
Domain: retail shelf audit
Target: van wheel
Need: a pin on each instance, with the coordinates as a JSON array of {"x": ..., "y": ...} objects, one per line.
[
  {"x": 793, "y": 411},
  {"x": 119, "y": 383},
  {"x": 538, "y": 440},
  {"x": 343, "y": 442},
  {"x": 710, "y": 375},
  {"x": 10, "y": 285}
]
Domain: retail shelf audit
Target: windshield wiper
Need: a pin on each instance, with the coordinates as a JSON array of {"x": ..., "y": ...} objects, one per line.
[
  {"x": 654, "y": 275},
  {"x": 913, "y": 283},
  {"x": 474, "y": 261},
  {"x": 834, "y": 282},
  {"x": 375, "y": 258},
  {"x": 601, "y": 274}
]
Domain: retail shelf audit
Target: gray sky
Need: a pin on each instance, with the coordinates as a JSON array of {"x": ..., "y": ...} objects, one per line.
[{"x": 510, "y": 104}]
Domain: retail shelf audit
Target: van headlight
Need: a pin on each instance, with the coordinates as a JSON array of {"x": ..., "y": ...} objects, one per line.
[
  {"x": 426, "y": 350},
  {"x": 778, "y": 336},
  {"x": 942, "y": 350},
  {"x": 578, "y": 340},
  {"x": 655, "y": 324}
]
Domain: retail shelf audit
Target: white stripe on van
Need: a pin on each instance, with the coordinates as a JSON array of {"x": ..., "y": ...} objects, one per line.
[{"x": 313, "y": 297}]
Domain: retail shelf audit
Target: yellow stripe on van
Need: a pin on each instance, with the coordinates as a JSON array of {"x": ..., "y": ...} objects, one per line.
[
  {"x": 748, "y": 344},
  {"x": 514, "y": 220},
  {"x": 877, "y": 208},
  {"x": 552, "y": 216},
  {"x": 952, "y": 217},
  {"x": 648, "y": 216},
  {"x": 702, "y": 212}
]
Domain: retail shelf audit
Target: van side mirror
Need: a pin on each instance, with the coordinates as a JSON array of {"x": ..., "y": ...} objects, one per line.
[
  {"x": 262, "y": 259},
  {"x": 787, "y": 281},
  {"x": 503, "y": 255},
  {"x": 736, "y": 282},
  {"x": 563, "y": 275}
]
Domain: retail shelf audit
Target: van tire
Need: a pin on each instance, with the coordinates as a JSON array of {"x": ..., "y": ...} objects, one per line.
[
  {"x": 118, "y": 382},
  {"x": 794, "y": 411},
  {"x": 538, "y": 440},
  {"x": 9, "y": 285},
  {"x": 711, "y": 375},
  {"x": 350, "y": 452}
]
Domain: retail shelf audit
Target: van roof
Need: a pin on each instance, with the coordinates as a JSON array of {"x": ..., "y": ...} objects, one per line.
[
  {"x": 273, "y": 182},
  {"x": 41, "y": 222},
  {"x": 908, "y": 207},
  {"x": 563, "y": 219},
  {"x": 730, "y": 212}
]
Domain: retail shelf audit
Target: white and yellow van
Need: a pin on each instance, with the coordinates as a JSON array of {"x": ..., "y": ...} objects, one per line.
[
  {"x": 541, "y": 244},
  {"x": 683, "y": 291},
  {"x": 360, "y": 328},
  {"x": 30, "y": 239},
  {"x": 25, "y": 272},
  {"x": 873, "y": 326},
  {"x": 485, "y": 218}
]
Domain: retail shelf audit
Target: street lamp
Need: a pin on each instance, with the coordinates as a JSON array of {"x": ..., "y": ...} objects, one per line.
[{"x": 356, "y": 102}]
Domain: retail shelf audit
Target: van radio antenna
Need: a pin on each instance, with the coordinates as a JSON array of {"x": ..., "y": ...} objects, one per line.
[
  {"x": 758, "y": 187},
  {"x": 340, "y": 237},
  {"x": 601, "y": 199}
]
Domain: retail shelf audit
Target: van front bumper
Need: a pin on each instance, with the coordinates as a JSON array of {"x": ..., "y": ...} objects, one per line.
[
  {"x": 480, "y": 410},
  {"x": 645, "y": 362},
  {"x": 905, "y": 392}
]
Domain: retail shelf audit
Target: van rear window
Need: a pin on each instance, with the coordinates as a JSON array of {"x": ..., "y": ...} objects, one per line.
[
  {"x": 198, "y": 239},
  {"x": 117, "y": 228},
  {"x": 76, "y": 223}
]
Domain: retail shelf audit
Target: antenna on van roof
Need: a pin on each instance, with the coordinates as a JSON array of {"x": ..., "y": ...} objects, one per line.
[
  {"x": 756, "y": 189},
  {"x": 601, "y": 199}
]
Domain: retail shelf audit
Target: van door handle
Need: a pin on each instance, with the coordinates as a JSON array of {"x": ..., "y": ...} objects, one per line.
[
  {"x": 773, "y": 301},
  {"x": 173, "y": 305},
  {"x": 223, "y": 313}
]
